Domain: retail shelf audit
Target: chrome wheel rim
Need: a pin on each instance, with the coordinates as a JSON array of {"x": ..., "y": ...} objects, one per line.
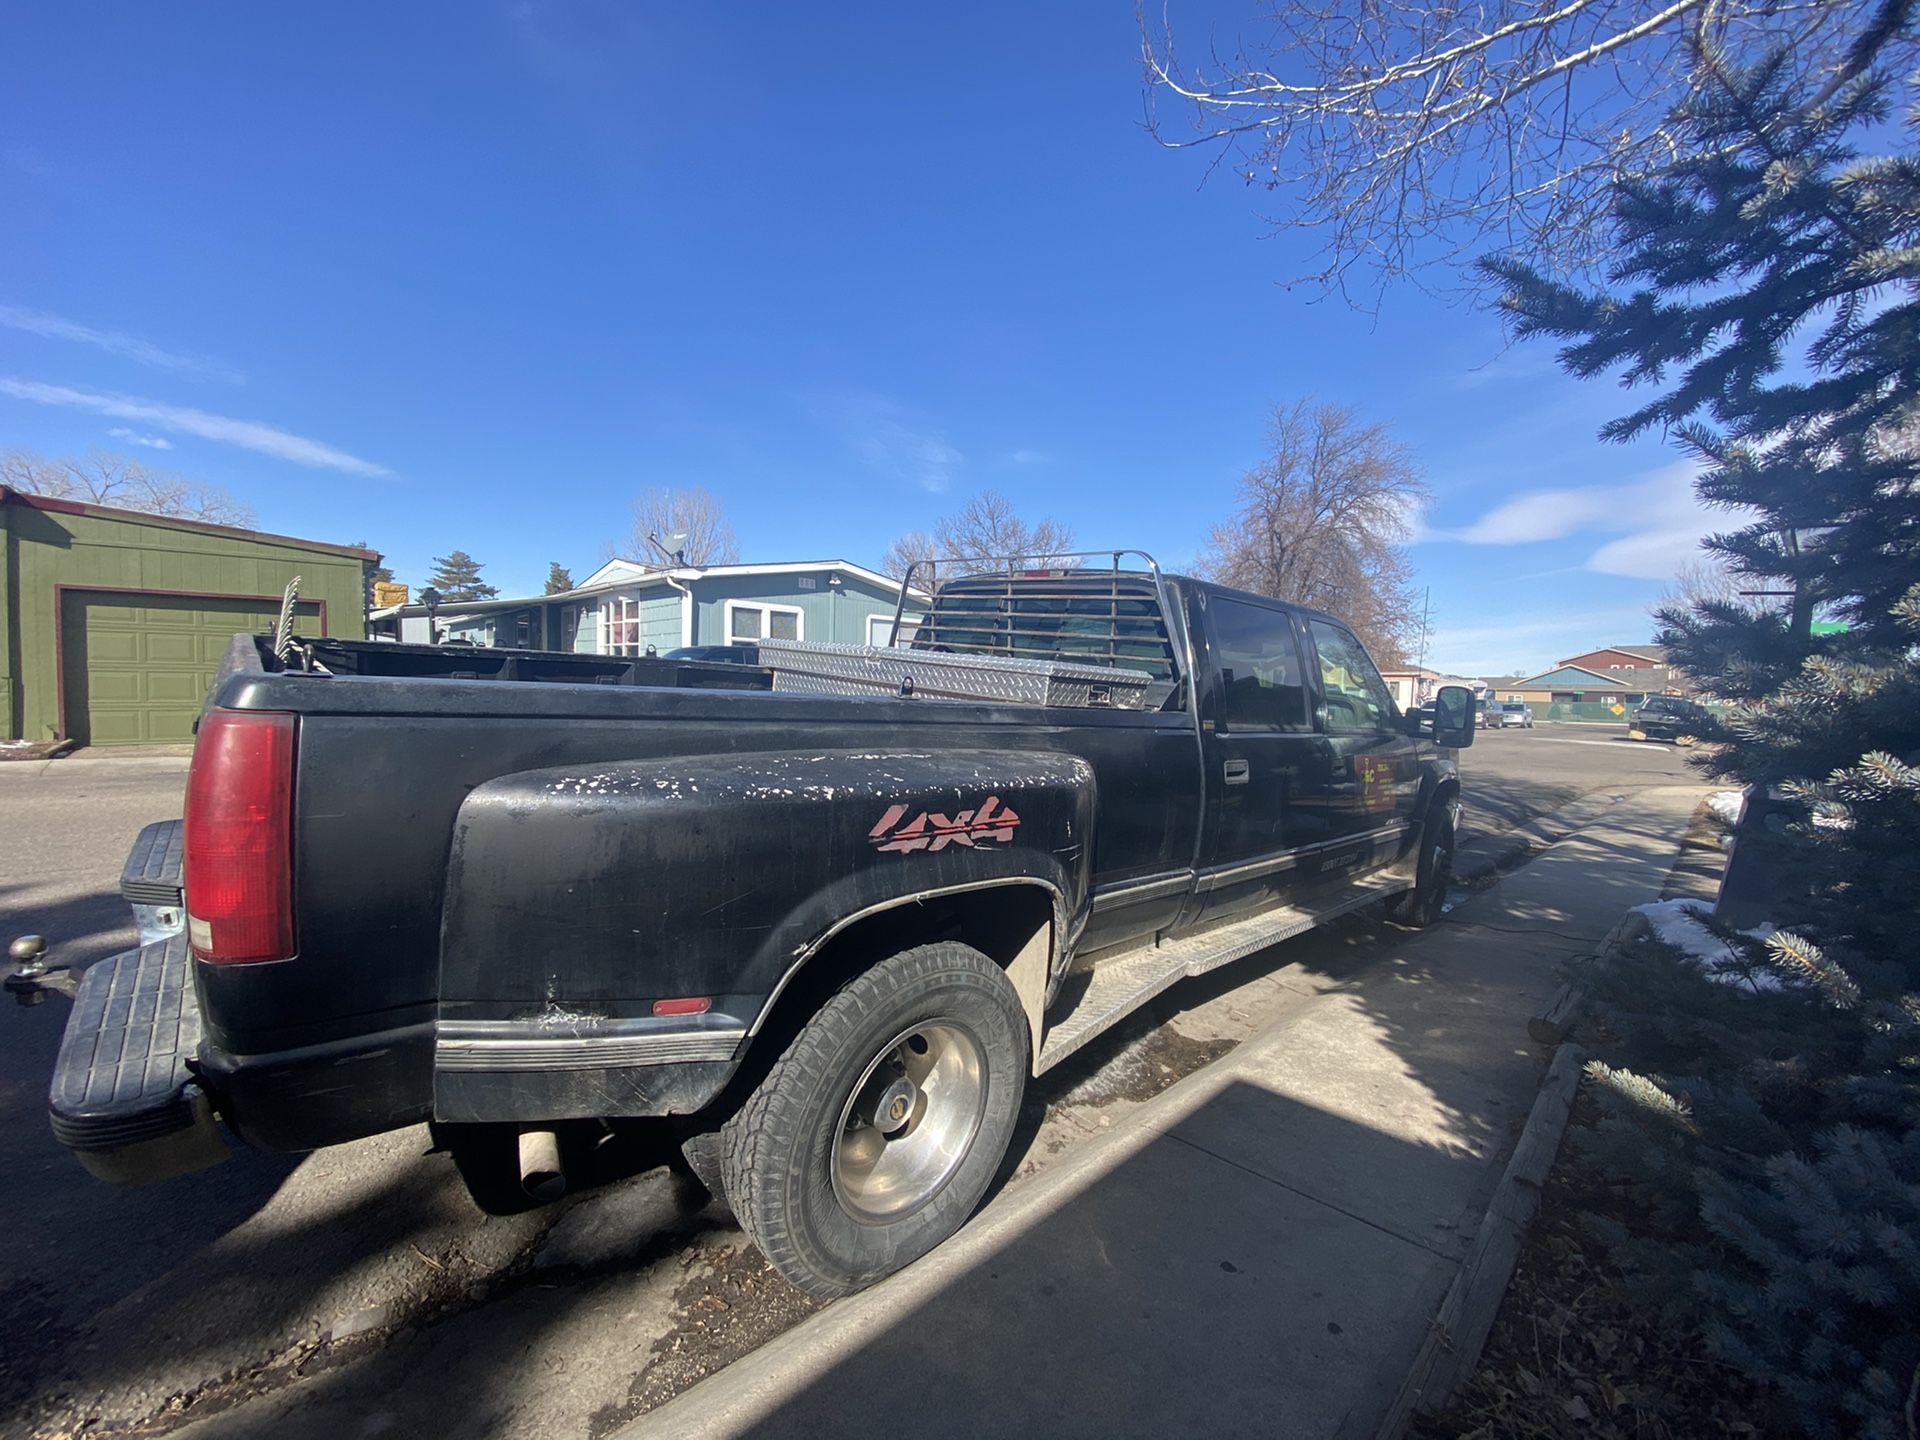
[{"x": 909, "y": 1121}]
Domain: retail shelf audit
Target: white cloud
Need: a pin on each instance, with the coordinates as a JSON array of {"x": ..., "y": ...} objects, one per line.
[
  {"x": 252, "y": 435},
  {"x": 1510, "y": 363},
  {"x": 883, "y": 435},
  {"x": 128, "y": 347},
  {"x": 1542, "y": 515},
  {"x": 1028, "y": 457},
  {"x": 134, "y": 437},
  {"x": 1653, "y": 554},
  {"x": 924, "y": 457},
  {"x": 1413, "y": 514},
  {"x": 1658, "y": 520}
]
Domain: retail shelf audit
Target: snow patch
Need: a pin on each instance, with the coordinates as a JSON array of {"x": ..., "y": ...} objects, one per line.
[
  {"x": 1726, "y": 805},
  {"x": 1678, "y": 923}
]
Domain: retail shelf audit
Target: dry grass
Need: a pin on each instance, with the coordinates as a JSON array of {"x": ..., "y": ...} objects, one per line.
[{"x": 1575, "y": 1352}]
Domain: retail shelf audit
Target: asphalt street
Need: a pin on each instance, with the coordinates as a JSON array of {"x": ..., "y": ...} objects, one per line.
[
  {"x": 1510, "y": 776},
  {"x": 127, "y": 1306}
]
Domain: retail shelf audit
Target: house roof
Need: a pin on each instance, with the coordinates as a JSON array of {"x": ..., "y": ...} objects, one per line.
[
  {"x": 637, "y": 577},
  {"x": 631, "y": 571},
  {"x": 10, "y": 496},
  {"x": 1651, "y": 680},
  {"x": 1568, "y": 677},
  {"x": 1655, "y": 653}
]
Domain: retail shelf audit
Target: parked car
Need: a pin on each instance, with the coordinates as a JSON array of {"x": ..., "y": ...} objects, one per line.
[
  {"x": 819, "y": 914},
  {"x": 720, "y": 654},
  {"x": 1670, "y": 717},
  {"x": 1510, "y": 715}
]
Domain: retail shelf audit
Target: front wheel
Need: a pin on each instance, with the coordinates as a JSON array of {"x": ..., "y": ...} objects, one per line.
[
  {"x": 874, "y": 1136},
  {"x": 1433, "y": 872}
]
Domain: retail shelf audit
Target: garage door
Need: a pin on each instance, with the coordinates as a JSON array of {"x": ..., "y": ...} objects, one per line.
[{"x": 137, "y": 667}]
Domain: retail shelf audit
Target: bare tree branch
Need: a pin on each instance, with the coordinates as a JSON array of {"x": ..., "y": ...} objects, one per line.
[
  {"x": 692, "y": 512},
  {"x": 103, "y": 479},
  {"x": 1406, "y": 134},
  {"x": 984, "y": 530},
  {"x": 1711, "y": 581},
  {"x": 916, "y": 547},
  {"x": 1323, "y": 521}
]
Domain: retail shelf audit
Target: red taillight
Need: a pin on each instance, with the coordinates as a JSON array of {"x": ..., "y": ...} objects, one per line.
[
  {"x": 239, "y": 837},
  {"x": 684, "y": 1005}
]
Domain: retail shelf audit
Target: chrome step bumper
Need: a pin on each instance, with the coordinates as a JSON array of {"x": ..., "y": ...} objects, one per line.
[{"x": 124, "y": 1100}]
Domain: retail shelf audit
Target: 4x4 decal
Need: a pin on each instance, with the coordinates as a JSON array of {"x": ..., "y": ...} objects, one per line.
[{"x": 992, "y": 820}]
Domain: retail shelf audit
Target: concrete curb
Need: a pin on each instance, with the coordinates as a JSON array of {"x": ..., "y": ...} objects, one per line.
[
  {"x": 1561, "y": 1014},
  {"x": 1458, "y": 1335},
  {"x": 1465, "y": 1319}
]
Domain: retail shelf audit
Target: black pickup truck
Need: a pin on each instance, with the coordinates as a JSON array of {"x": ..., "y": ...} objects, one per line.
[{"x": 828, "y": 911}]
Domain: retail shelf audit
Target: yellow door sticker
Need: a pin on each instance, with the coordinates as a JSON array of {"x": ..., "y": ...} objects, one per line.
[{"x": 1375, "y": 774}]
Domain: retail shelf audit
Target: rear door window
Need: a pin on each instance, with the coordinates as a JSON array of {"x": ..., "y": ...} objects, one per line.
[{"x": 1259, "y": 661}]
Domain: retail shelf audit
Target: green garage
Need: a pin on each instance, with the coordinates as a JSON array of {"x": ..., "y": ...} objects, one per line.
[{"x": 116, "y": 621}]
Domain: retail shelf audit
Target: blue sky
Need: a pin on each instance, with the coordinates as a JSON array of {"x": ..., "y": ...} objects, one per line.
[{"x": 473, "y": 275}]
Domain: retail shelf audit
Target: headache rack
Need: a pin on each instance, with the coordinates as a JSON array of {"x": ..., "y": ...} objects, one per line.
[
  {"x": 1012, "y": 630},
  {"x": 1092, "y": 615}
]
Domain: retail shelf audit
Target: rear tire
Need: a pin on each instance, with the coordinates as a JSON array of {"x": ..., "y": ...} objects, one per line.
[
  {"x": 1433, "y": 873},
  {"x": 875, "y": 1135}
]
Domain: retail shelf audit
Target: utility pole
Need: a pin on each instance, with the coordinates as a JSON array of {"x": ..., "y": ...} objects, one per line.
[{"x": 1426, "y": 611}]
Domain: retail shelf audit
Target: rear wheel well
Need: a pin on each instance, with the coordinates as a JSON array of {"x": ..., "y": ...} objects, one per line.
[{"x": 998, "y": 921}]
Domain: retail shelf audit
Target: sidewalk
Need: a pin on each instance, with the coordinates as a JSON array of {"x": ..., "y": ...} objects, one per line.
[{"x": 1260, "y": 1249}]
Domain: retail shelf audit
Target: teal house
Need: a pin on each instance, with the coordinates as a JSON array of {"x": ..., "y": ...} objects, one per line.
[{"x": 626, "y": 608}]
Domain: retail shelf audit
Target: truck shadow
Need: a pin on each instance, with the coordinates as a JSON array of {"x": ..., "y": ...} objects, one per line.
[
  {"x": 1166, "y": 1290},
  {"x": 1499, "y": 802}
]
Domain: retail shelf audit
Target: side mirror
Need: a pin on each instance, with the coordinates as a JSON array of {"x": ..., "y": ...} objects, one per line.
[{"x": 1453, "y": 717}]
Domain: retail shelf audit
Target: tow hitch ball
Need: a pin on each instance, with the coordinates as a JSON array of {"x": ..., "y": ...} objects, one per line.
[{"x": 31, "y": 981}]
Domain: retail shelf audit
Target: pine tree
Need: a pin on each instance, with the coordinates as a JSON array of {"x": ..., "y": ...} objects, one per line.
[
  {"x": 1763, "y": 1147},
  {"x": 457, "y": 577},
  {"x": 1772, "y": 234},
  {"x": 559, "y": 578}
]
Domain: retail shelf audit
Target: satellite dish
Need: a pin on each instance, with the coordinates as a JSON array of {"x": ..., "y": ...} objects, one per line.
[{"x": 673, "y": 546}]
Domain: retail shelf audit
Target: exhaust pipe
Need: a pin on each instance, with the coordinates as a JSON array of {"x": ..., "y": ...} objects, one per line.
[{"x": 541, "y": 1175}]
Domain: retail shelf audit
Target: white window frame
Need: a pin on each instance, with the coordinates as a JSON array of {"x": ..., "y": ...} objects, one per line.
[
  {"x": 618, "y": 613},
  {"x": 884, "y": 622},
  {"x": 767, "y": 609}
]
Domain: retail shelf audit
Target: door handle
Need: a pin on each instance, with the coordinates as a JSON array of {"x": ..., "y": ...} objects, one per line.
[{"x": 1237, "y": 772}]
